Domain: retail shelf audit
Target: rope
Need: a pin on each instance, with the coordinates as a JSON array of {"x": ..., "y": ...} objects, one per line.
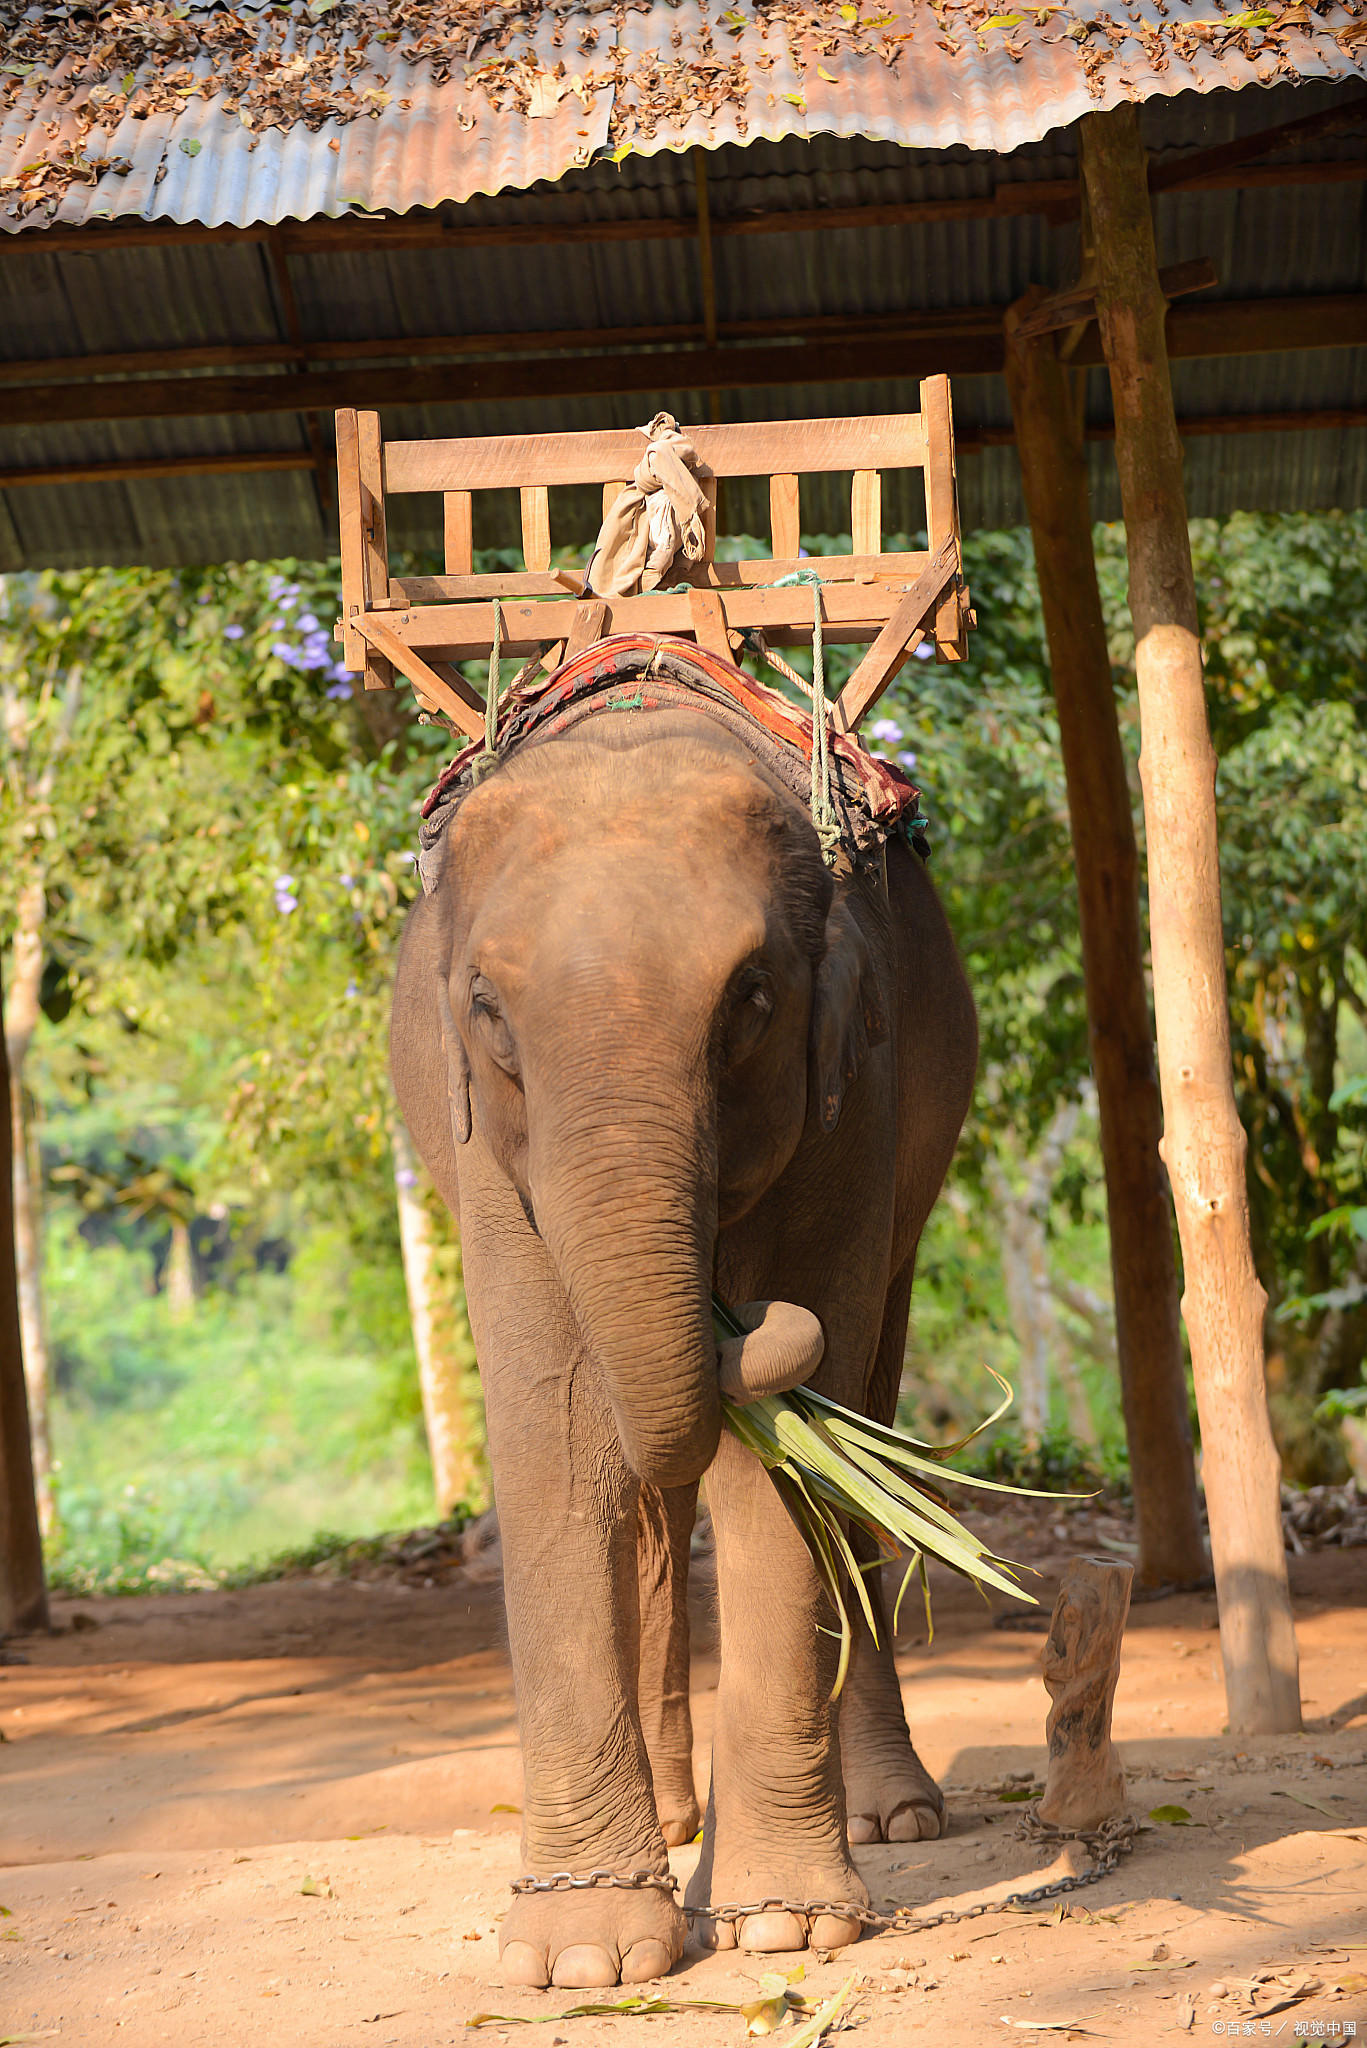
[
  {"x": 489, "y": 758},
  {"x": 823, "y": 810}
]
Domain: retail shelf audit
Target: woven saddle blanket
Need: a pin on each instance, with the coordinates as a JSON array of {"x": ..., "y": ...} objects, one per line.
[{"x": 644, "y": 672}]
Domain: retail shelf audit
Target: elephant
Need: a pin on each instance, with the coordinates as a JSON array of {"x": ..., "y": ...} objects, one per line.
[{"x": 650, "y": 1045}]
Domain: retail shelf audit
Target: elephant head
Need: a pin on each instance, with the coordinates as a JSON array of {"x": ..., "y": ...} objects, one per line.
[{"x": 635, "y": 984}]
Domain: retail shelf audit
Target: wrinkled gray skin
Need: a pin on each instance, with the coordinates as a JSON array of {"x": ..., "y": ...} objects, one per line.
[{"x": 640, "y": 1034}]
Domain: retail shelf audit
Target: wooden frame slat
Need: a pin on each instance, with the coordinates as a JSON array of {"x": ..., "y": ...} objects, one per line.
[
  {"x": 785, "y": 517},
  {"x": 458, "y": 532},
  {"x": 514, "y": 461},
  {"x": 374, "y": 535},
  {"x": 536, "y": 528},
  {"x": 866, "y": 511},
  {"x": 415, "y": 590},
  {"x": 942, "y": 507}
]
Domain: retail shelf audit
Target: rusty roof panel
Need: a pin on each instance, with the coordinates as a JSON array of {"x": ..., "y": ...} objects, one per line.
[{"x": 401, "y": 125}]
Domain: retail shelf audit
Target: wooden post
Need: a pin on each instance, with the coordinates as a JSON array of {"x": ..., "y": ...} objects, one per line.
[
  {"x": 1204, "y": 1142},
  {"x": 1153, "y": 1379},
  {"x": 1086, "y": 1783},
  {"x": 23, "y": 1593}
]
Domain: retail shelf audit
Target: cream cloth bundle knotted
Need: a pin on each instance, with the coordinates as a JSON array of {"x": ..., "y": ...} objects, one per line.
[{"x": 660, "y": 515}]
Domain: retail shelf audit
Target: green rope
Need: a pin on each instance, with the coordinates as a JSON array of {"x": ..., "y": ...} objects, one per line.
[
  {"x": 493, "y": 690},
  {"x": 823, "y": 810}
]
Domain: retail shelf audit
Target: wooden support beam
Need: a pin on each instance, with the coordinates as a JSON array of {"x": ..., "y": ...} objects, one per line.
[
  {"x": 422, "y": 675},
  {"x": 587, "y": 626},
  {"x": 708, "y": 616},
  {"x": 1055, "y": 199},
  {"x": 1182, "y": 172},
  {"x": 23, "y": 1591},
  {"x": 900, "y": 637},
  {"x": 1066, "y": 308},
  {"x": 1153, "y": 1381},
  {"x": 374, "y": 536},
  {"x": 1204, "y": 1145},
  {"x": 973, "y": 347}
]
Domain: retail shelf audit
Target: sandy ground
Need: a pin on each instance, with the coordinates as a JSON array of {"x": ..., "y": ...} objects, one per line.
[{"x": 287, "y": 1794}]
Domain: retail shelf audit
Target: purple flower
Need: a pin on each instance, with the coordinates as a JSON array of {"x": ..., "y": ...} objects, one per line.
[
  {"x": 352, "y": 989},
  {"x": 233, "y": 632},
  {"x": 907, "y": 760},
  {"x": 307, "y": 623},
  {"x": 339, "y": 689},
  {"x": 926, "y": 651},
  {"x": 886, "y": 729},
  {"x": 345, "y": 881},
  {"x": 406, "y": 1178},
  {"x": 340, "y": 672},
  {"x": 285, "y": 903},
  {"x": 283, "y": 882}
]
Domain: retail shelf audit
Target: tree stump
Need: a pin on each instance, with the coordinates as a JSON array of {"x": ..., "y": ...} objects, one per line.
[{"x": 1086, "y": 1784}]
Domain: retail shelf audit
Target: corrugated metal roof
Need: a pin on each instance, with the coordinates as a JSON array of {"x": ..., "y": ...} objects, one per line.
[{"x": 341, "y": 120}]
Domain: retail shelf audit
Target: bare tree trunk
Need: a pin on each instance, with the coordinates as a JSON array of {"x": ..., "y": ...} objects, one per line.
[
  {"x": 180, "y": 1274},
  {"x": 1153, "y": 1380},
  {"x": 21, "y": 1017},
  {"x": 23, "y": 1593},
  {"x": 1204, "y": 1143},
  {"x": 444, "y": 1377}
]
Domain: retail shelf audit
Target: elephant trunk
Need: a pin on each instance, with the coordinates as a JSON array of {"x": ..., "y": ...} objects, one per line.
[{"x": 625, "y": 1199}]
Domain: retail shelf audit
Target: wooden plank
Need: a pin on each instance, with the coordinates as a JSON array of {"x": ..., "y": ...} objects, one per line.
[
  {"x": 612, "y": 491},
  {"x": 1064, "y": 309},
  {"x": 942, "y": 506},
  {"x": 536, "y": 528},
  {"x": 588, "y": 624},
  {"x": 462, "y": 632},
  {"x": 708, "y": 616},
  {"x": 1224, "y": 327},
  {"x": 1180, "y": 171},
  {"x": 785, "y": 517},
  {"x": 414, "y": 590},
  {"x": 709, "y": 523},
  {"x": 866, "y": 511},
  {"x": 374, "y": 535},
  {"x": 511, "y": 461},
  {"x": 354, "y": 599},
  {"x": 903, "y": 633},
  {"x": 458, "y": 528},
  {"x": 396, "y": 654}
]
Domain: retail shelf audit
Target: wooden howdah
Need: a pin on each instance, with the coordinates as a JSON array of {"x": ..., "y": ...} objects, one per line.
[{"x": 423, "y": 626}]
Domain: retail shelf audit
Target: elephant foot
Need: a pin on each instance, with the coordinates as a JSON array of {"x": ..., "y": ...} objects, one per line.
[
  {"x": 592, "y": 1939},
  {"x": 893, "y": 1800},
  {"x": 780, "y": 1930}
]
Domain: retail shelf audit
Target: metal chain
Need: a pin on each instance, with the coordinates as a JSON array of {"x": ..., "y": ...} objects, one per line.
[
  {"x": 566, "y": 1881},
  {"x": 1107, "y": 1844}
]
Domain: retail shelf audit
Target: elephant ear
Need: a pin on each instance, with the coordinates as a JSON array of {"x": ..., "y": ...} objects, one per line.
[
  {"x": 848, "y": 1017},
  {"x": 427, "y": 1060},
  {"x": 457, "y": 1065}
]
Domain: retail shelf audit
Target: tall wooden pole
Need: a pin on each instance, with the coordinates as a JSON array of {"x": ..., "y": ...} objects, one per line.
[
  {"x": 23, "y": 1593},
  {"x": 1153, "y": 1381},
  {"x": 1204, "y": 1142}
]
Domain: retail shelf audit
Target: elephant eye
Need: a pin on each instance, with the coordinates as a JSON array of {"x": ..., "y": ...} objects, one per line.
[
  {"x": 752, "y": 1009},
  {"x": 491, "y": 1024}
]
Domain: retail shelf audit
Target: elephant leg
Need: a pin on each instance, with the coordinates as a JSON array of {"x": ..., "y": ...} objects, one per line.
[
  {"x": 567, "y": 1508},
  {"x": 665, "y": 1518},
  {"x": 890, "y": 1796},
  {"x": 775, "y": 1823}
]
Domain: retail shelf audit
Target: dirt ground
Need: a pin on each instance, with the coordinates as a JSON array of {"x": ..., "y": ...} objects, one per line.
[{"x": 293, "y": 1793}]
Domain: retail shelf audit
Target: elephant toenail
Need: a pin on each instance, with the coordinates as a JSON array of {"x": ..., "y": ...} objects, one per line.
[
  {"x": 585, "y": 1967},
  {"x": 774, "y": 1933},
  {"x": 523, "y": 1964},
  {"x": 644, "y": 1960},
  {"x": 915, "y": 1822},
  {"x": 829, "y": 1930},
  {"x": 863, "y": 1827}
]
